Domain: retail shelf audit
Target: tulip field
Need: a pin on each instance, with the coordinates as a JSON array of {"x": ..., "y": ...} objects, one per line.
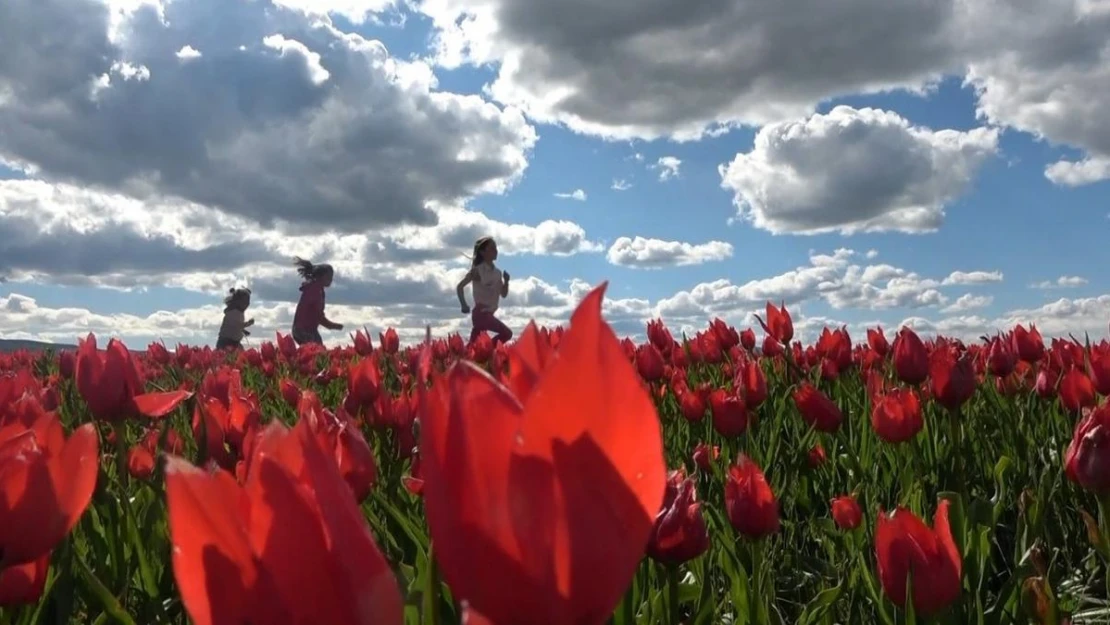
[{"x": 735, "y": 476}]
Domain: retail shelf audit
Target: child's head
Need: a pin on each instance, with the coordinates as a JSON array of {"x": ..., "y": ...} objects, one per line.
[
  {"x": 238, "y": 298},
  {"x": 322, "y": 273},
  {"x": 485, "y": 250}
]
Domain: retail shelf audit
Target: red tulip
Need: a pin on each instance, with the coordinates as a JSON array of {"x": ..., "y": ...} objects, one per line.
[
  {"x": 389, "y": 341},
  {"x": 23, "y": 584},
  {"x": 747, "y": 339},
  {"x": 952, "y": 379},
  {"x": 816, "y": 456},
  {"x": 1076, "y": 391},
  {"x": 779, "y": 324},
  {"x": 877, "y": 341},
  {"x": 1028, "y": 344},
  {"x": 752, "y": 508},
  {"x": 904, "y": 544},
  {"x": 1001, "y": 359},
  {"x": 512, "y": 481},
  {"x": 1087, "y": 459},
  {"x": 817, "y": 409},
  {"x": 649, "y": 362},
  {"x": 730, "y": 417},
  {"x": 846, "y": 512},
  {"x": 692, "y": 406},
  {"x": 1099, "y": 369},
  {"x": 46, "y": 482},
  {"x": 109, "y": 383},
  {"x": 911, "y": 361},
  {"x": 290, "y": 546},
  {"x": 896, "y": 416},
  {"x": 752, "y": 384},
  {"x": 659, "y": 336},
  {"x": 679, "y": 534},
  {"x": 704, "y": 455}
]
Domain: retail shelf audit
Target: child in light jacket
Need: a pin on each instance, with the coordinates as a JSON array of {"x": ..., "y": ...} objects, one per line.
[{"x": 234, "y": 326}]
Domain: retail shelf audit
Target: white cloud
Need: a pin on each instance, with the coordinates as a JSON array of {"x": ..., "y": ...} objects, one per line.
[
  {"x": 69, "y": 235},
  {"x": 968, "y": 302},
  {"x": 668, "y": 167},
  {"x": 290, "y": 123},
  {"x": 872, "y": 254},
  {"x": 188, "y": 52},
  {"x": 577, "y": 194},
  {"x": 601, "y": 67},
  {"x": 1075, "y": 174},
  {"x": 620, "y": 185},
  {"x": 647, "y": 253},
  {"x": 968, "y": 278},
  {"x": 853, "y": 170},
  {"x": 1046, "y": 71},
  {"x": 1063, "y": 282}
]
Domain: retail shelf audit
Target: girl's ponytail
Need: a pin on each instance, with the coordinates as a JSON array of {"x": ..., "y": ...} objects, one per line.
[{"x": 305, "y": 268}]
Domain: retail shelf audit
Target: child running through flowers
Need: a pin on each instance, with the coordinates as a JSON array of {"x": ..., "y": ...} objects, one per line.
[
  {"x": 310, "y": 308},
  {"x": 234, "y": 326},
  {"x": 490, "y": 285}
]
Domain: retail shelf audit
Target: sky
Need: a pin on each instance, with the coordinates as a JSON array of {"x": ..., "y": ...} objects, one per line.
[{"x": 939, "y": 164}]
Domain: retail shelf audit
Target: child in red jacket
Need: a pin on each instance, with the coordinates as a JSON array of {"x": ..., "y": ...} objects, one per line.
[{"x": 310, "y": 309}]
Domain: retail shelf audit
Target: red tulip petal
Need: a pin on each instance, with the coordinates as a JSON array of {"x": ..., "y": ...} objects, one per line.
[
  {"x": 74, "y": 473},
  {"x": 368, "y": 590},
  {"x": 156, "y": 405},
  {"x": 603, "y": 435},
  {"x": 212, "y": 561},
  {"x": 23, "y": 584},
  {"x": 468, "y": 430}
]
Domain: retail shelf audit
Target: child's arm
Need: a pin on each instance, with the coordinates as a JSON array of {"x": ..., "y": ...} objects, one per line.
[
  {"x": 467, "y": 279},
  {"x": 505, "y": 284},
  {"x": 328, "y": 323}
]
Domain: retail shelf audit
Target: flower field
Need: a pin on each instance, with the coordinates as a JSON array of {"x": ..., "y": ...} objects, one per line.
[{"x": 570, "y": 478}]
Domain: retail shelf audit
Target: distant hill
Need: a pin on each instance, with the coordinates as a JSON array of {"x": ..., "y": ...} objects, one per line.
[{"x": 12, "y": 345}]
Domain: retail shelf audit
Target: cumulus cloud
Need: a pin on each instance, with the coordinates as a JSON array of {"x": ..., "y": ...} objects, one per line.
[
  {"x": 647, "y": 253},
  {"x": 600, "y": 67},
  {"x": 967, "y": 302},
  {"x": 853, "y": 170},
  {"x": 835, "y": 279},
  {"x": 577, "y": 194},
  {"x": 62, "y": 234},
  {"x": 1063, "y": 282},
  {"x": 968, "y": 278},
  {"x": 1047, "y": 72},
  {"x": 282, "y": 119},
  {"x": 620, "y": 185}
]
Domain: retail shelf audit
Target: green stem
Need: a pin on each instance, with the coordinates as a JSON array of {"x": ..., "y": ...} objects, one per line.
[
  {"x": 107, "y": 600},
  {"x": 673, "y": 607},
  {"x": 120, "y": 430},
  {"x": 1104, "y": 529}
]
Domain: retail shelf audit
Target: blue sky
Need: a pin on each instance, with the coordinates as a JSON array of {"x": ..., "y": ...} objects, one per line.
[{"x": 166, "y": 215}]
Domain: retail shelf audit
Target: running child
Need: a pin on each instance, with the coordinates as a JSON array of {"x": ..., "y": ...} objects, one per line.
[
  {"x": 490, "y": 285},
  {"x": 310, "y": 309},
  {"x": 234, "y": 326}
]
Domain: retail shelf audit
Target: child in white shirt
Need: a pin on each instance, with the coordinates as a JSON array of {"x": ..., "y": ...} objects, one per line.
[{"x": 490, "y": 285}]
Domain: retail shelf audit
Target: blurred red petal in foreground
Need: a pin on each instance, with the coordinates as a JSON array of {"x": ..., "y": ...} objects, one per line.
[
  {"x": 549, "y": 489},
  {"x": 290, "y": 546},
  {"x": 46, "y": 482}
]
